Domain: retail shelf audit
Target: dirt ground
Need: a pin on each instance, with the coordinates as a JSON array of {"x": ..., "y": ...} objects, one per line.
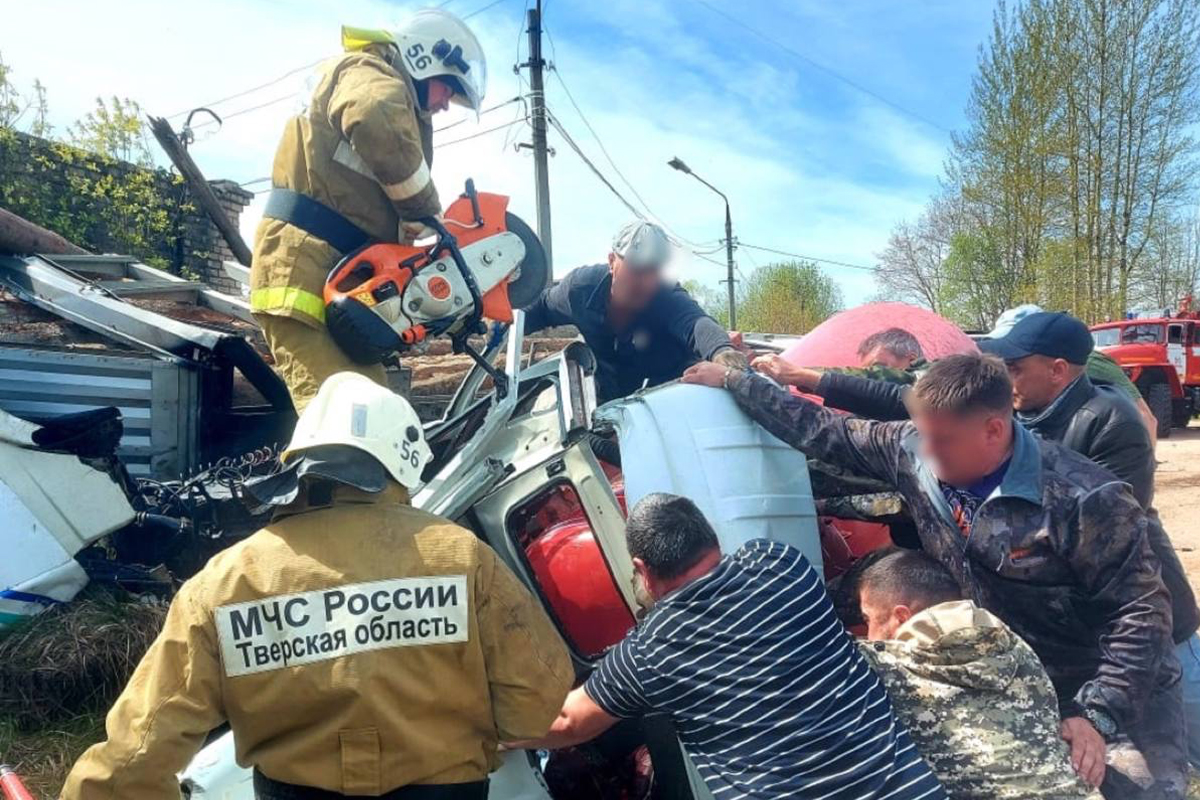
[{"x": 1177, "y": 495}]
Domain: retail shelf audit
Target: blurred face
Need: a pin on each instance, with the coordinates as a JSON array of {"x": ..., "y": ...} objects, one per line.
[
  {"x": 632, "y": 289},
  {"x": 439, "y": 96},
  {"x": 1038, "y": 380},
  {"x": 879, "y": 357},
  {"x": 962, "y": 448},
  {"x": 883, "y": 616}
]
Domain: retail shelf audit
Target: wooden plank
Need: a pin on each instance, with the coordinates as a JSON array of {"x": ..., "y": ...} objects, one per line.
[
  {"x": 19, "y": 235},
  {"x": 200, "y": 187}
]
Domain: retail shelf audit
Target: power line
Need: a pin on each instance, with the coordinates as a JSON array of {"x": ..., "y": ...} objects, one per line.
[
  {"x": 477, "y": 134},
  {"x": 557, "y": 125},
  {"x": 595, "y": 170},
  {"x": 239, "y": 112},
  {"x": 302, "y": 68},
  {"x": 827, "y": 70},
  {"x": 675, "y": 236},
  {"x": 252, "y": 89},
  {"x": 487, "y": 110},
  {"x": 804, "y": 257},
  {"x": 483, "y": 9}
]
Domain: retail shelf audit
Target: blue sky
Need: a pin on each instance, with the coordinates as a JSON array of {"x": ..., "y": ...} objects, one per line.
[{"x": 812, "y": 160}]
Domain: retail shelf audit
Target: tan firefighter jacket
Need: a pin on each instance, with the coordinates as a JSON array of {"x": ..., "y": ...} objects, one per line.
[
  {"x": 363, "y": 149},
  {"x": 355, "y": 648}
]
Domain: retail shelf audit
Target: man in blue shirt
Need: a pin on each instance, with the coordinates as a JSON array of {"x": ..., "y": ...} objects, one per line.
[
  {"x": 643, "y": 331},
  {"x": 769, "y": 695}
]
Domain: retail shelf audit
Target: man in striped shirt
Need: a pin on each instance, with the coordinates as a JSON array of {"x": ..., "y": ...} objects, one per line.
[{"x": 769, "y": 695}]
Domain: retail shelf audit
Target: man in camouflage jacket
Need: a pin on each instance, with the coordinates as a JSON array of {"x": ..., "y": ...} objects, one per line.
[
  {"x": 975, "y": 699},
  {"x": 1056, "y": 548}
]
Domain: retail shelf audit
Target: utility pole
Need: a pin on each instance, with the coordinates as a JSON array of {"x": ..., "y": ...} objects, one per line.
[
  {"x": 537, "y": 112},
  {"x": 729, "y": 268}
]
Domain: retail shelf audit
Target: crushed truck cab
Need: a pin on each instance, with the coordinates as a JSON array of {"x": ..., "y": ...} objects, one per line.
[{"x": 546, "y": 478}]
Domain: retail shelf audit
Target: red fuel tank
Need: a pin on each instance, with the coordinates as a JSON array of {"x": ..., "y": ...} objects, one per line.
[{"x": 570, "y": 568}]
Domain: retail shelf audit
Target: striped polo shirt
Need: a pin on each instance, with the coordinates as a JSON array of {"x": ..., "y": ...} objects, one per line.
[{"x": 768, "y": 693}]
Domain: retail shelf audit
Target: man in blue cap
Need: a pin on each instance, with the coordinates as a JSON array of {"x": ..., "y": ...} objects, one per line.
[
  {"x": 1046, "y": 355},
  {"x": 1101, "y": 369}
]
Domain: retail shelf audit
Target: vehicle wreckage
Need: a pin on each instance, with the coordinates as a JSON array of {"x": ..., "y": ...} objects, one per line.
[{"x": 522, "y": 456}]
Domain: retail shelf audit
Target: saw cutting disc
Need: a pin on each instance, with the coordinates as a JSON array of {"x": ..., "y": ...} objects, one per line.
[{"x": 533, "y": 276}]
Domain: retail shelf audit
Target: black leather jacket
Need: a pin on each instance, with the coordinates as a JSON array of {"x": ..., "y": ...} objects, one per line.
[{"x": 1103, "y": 424}]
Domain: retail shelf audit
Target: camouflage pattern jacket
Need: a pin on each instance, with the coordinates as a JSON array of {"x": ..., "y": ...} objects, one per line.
[
  {"x": 978, "y": 705},
  {"x": 877, "y": 372},
  {"x": 1059, "y": 552}
]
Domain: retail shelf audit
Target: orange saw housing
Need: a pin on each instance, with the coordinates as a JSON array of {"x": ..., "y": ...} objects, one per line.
[{"x": 383, "y": 270}]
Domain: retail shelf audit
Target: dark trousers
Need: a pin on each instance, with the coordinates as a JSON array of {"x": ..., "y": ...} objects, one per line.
[{"x": 270, "y": 789}]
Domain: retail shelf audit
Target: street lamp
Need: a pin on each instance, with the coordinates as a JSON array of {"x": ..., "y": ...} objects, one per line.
[{"x": 677, "y": 163}]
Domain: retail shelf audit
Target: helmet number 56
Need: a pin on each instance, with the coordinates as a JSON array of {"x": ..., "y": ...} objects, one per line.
[
  {"x": 417, "y": 58},
  {"x": 409, "y": 454}
]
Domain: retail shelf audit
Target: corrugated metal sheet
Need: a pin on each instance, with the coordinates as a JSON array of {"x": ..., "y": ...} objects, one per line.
[{"x": 158, "y": 400}]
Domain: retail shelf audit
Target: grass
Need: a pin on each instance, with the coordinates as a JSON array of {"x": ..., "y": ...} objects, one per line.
[
  {"x": 60, "y": 672},
  {"x": 75, "y": 658},
  {"x": 43, "y": 756}
]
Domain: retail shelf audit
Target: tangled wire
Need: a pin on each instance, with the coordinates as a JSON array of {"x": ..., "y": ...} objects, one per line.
[{"x": 222, "y": 480}]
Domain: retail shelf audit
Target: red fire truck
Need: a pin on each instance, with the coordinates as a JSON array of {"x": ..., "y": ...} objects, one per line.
[{"x": 1161, "y": 355}]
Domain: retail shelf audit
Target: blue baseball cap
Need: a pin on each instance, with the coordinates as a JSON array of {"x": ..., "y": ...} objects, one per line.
[{"x": 1043, "y": 333}]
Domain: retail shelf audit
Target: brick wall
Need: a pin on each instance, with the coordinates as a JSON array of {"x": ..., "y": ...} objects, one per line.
[
  {"x": 210, "y": 246},
  {"x": 40, "y": 180}
]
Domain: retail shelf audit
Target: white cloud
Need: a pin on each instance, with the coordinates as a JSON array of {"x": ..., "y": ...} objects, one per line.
[{"x": 796, "y": 180}]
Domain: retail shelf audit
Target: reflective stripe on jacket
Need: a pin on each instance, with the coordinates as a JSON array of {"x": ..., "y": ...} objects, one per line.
[
  {"x": 356, "y": 648},
  {"x": 363, "y": 149}
]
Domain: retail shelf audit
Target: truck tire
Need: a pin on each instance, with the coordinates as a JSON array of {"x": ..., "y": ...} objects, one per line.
[
  {"x": 1158, "y": 397},
  {"x": 1181, "y": 412}
]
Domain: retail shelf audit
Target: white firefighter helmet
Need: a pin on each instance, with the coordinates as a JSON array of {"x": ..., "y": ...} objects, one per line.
[
  {"x": 351, "y": 409},
  {"x": 437, "y": 44},
  {"x": 433, "y": 44}
]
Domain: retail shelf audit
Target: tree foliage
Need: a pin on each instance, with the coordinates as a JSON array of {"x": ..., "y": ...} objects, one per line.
[
  {"x": 99, "y": 191},
  {"x": 115, "y": 129},
  {"x": 1074, "y": 182},
  {"x": 788, "y": 297}
]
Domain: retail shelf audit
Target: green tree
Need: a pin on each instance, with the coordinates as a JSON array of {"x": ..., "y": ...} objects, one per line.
[
  {"x": 10, "y": 98},
  {"x": 1078, "y": 154},
  {"x": 712, "y": 301},
  {"x": 117, "y": 130},
  {"x": 788, "y": 297}
]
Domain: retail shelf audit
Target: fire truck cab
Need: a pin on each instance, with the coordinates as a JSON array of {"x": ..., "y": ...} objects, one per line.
[{"x": 1161, "y": 355}]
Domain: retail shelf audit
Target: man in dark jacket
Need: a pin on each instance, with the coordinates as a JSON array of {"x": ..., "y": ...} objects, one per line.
[
  {"x": 1046, "y": 355},
  {"x": 1053, "y": 397},
  {"x": 1033, "y": 532},
  {"x": 642, "y": 331}
]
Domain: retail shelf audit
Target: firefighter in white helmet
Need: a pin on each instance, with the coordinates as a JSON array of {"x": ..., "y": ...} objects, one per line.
[
  {"x": 354, "y": 168},
  {"x": 356, "y": 645}
]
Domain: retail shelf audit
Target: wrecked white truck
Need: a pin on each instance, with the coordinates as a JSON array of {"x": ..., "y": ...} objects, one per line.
[{"x": 541, "y": 474}]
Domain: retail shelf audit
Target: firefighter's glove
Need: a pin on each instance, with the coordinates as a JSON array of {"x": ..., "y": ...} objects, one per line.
[{"x": 413, "y": 231}]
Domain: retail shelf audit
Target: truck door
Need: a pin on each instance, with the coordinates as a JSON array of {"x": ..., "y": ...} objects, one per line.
[
  {"x": 1176, "y": 352},
  {"x": 1193, "y": 355}
]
